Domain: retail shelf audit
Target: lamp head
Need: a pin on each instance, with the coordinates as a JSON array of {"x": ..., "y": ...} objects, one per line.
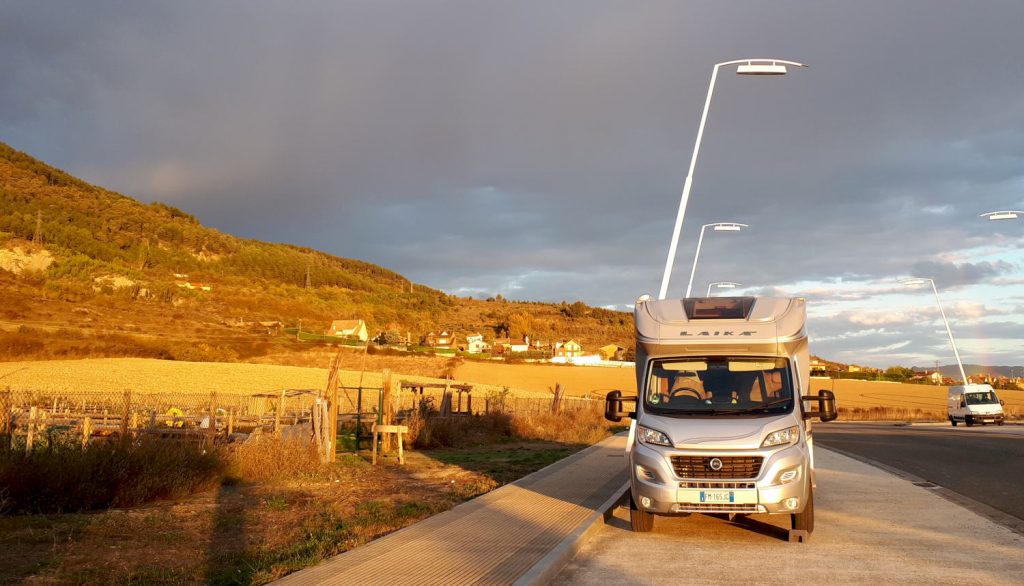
[
  {"x": 729, "y": 227},
  {"x": 915, "y": 281},
  {"x": 761, "y": 69},
  {"x": 1003, "y": 215}
]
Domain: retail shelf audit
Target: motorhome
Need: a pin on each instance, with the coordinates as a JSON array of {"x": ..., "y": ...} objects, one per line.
[
  {"x": 720, "y": 423},
  {"x": 974, "y": 404}
]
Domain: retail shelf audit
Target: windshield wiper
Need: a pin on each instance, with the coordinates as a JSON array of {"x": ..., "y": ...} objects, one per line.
[{"x": 767, "y": 405}]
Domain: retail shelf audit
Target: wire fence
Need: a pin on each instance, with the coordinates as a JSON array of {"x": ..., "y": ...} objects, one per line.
[{"x": 31, "y": 418}]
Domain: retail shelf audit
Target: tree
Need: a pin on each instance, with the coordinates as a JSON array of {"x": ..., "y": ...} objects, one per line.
[
  {"x": 519, "y": 324},
  {"x": 898, "y": 373}
]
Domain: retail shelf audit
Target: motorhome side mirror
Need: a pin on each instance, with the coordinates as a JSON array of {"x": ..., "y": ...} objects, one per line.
[
  {"x": 826, "y": 406},
  {"x": 613, "y": 410},
  {"x": 1001, "y": 402}
]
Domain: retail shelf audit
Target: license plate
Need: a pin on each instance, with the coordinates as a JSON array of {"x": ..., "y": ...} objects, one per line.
[{"x": 717, "y": 496}]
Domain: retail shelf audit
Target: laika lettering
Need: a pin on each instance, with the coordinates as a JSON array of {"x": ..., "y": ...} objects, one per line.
[{"x": 710, "y": 333}]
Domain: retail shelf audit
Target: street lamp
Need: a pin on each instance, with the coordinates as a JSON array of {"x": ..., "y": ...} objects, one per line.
[
  {"x": 1002, "y": 215},
  {"x": 722, "y": 285},
  {"x": 744, "y": 67},
  {"x": 718, "y": 227},
  {"x": 952, "y": 342}
]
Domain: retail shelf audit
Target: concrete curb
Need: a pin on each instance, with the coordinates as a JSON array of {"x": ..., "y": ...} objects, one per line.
[{"x": 544, "y": 571}]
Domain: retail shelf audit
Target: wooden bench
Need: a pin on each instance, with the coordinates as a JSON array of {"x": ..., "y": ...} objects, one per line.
[{"x": 398, "y": 430}]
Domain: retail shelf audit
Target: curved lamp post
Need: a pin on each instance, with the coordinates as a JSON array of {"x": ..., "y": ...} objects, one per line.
[
  {"x": 743, "y": 67},
  {"x": 952, "y": 342},
  {"x": 722, "y": 285},
  {"x": 718, "y": 227},
  {"x": 1003, "y": 215}
]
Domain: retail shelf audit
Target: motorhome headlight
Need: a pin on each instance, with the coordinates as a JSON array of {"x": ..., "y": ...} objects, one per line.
[
  {"x": 782, "y": 437},
  {"x": 652, "y": 436}
]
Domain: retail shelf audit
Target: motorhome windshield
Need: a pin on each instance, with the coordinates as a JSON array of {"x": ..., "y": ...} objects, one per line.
[
  {"x": 719, "y": 386},
  {"x": 981, "y": 398}
]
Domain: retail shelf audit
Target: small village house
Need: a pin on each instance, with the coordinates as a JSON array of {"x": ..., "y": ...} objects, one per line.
[
  {"x": 513, "y": 345},
  {"x": 612, "y": 352},
  {"x": 444, "y": 340},
  {"x": 568, "y": 349},
  {"x": 269, "y": 327},
  {"x": 348, "y": 328},
  {"x": 475, "y": 344}
]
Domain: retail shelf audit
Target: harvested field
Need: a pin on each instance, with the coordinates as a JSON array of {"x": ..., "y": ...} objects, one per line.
[
  {"x": 929, "y": 399},
  {"x": 143, "y": 375},
  {"x": 577, "y": 380}
]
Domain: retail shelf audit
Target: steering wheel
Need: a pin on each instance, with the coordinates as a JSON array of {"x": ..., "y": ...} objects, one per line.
[{"x": 688, "y": 390}]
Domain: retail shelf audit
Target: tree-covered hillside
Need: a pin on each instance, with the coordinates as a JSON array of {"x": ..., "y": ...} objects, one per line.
[{"x": 120, "y": 265}]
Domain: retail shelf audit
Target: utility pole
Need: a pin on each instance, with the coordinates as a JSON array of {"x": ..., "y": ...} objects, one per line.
[
  {"x": 307, "y": 277},
  {"x": 298, "y": 332}
]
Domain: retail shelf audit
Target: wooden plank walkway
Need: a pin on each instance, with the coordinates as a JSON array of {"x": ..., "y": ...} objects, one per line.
[{"x": 506, "y": 535}]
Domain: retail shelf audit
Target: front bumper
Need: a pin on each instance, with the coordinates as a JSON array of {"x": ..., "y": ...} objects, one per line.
[
  {"x": 982, "y": 418},
  {"x": 657, "y": 488}
]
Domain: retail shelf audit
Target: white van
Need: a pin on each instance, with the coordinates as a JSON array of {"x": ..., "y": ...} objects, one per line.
[
  {"x": 974, "y": 404},
  {"x": 720, "y": 424}
]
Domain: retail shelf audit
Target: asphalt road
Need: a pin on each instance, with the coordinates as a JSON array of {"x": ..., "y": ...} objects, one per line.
[{"x": 982, "y": 463}]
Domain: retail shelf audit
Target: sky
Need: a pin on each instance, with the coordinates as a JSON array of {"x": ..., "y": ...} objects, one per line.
[{"x": 538, "y": 149}]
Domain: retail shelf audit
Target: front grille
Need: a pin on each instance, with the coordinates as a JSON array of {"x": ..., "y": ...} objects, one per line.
[
  {"x": 714, "y": 508},
  {"x": 732, "y": 466},
  {"x": 725, "y": 485}
]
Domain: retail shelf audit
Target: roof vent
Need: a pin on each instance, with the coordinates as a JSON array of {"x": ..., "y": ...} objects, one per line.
[{"x": 718, "y": 307}]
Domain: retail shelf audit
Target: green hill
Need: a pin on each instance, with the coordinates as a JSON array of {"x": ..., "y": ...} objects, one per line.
[{"x": 108, "y": 265}]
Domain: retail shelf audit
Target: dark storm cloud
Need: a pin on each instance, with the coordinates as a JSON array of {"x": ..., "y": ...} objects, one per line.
[
  {"x": 947, "y": 274},
  {"x": 537, "y": 149}
]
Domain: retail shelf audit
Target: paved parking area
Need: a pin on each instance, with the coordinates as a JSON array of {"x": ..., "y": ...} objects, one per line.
[{"x": 871, "y": 528}]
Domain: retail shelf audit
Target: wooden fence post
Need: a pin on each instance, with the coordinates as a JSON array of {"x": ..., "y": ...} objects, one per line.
[
  {"x": 152, "y": 418},
  {"x": 125, "y": 419},
  {"x": 213, "y": 417},
  {"x": 556, "y": 401},
  {"x": 332, "y": 422},
  {"x": 277, "y": 413},
  {"x": 30, "y": 438},
  {"x": 86, "y": 431},
  {"x": 388, "y": 409},
  {"x": 231, "y": 421}
]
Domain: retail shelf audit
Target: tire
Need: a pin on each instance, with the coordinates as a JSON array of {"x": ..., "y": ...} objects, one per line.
[
  {"x": 1000, "y": 422},
  {"x": 953, "y": 421},
  {"x": 805, "y": 521},
  {"x": 640, "y": 521},
  {"x": 968, "y": 421}
]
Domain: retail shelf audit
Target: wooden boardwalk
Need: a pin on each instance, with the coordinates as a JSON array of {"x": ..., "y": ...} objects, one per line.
[{"x": 521, "y": 532}]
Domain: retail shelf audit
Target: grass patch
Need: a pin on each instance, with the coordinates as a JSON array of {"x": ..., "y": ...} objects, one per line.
[
  {"x": 329, "y": 532},
  {"x": 505, "y": 463}
]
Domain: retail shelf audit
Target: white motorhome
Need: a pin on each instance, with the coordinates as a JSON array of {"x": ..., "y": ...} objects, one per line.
[
  {"x": 974, "y": 404},
  {"x": 720, "y": 424}
]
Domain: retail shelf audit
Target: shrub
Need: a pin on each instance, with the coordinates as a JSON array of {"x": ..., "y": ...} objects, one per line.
[
  {"x": 63, "y": 477},
  {"x": 454, "y": 432},
  {"x": 265, "y": 457},
  {"x": 572, "y": 427}
]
